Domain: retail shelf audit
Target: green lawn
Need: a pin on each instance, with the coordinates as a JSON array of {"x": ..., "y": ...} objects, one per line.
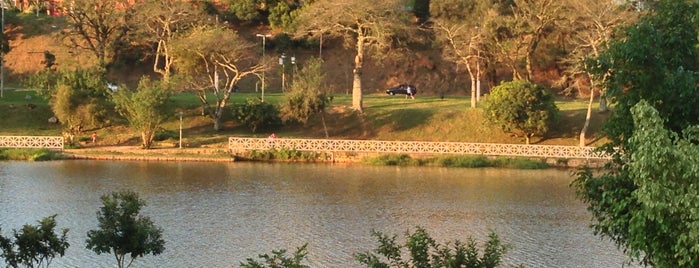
[{"x": 428, "y": 118}]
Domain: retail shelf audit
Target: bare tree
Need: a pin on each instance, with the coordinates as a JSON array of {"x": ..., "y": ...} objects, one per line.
[
  {"x": 365, "y": 25},
  {"x": 463, "y": 36},
  {"x": 158, "y": 23},
  {"x": 518, "y": 34},
  {"x": 96, "y": 26},
  {"x": 591, "y": 25},
  {"x": 214, "y": 59}
]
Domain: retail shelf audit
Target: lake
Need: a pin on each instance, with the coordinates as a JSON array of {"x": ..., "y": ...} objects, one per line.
[{"x": 219, "y": 214}]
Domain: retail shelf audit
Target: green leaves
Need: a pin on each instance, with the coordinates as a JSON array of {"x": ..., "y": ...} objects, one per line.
[
  {"x": 255, "y": 115},
  {"x": 34, "y": 246},
  {"x": 123, "y": 231},
  {"x": 522, "y": 108},
  {"x": 308, "y": 95},
  {"x": 278, "y": 259},
  {"x": 146, "y": 108},
  {"x": 425, "y": 252}
]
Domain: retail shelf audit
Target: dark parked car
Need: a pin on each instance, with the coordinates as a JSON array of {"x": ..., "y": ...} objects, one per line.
[{"x": 404, "y": 89}]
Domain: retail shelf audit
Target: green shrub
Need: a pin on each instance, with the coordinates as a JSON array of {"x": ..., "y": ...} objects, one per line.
[
  {"x": 284, "y": 154},
  {"x": 28, "y": 154},
  {"x": 393, "y": 160},
  {"x": 462, "y": 161},
  {"x": 255, "y": 115},
  {"x": 519, "y": 163}
]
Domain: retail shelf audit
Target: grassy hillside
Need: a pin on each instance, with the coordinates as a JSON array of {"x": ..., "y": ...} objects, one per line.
[{"x": 426, "y": 118}]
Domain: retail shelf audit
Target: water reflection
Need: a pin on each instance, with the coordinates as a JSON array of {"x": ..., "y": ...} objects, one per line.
[{"x": 218, "y": 214}]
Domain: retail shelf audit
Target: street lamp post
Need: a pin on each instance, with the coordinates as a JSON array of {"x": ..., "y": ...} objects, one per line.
[
  {"x": 264, "y": 40},
  {"x": 293, "y": 66},
  {"x": 181, "y": 113},
  {"x": 282, "y": 59},
  {"x": 2, "y": 51}
]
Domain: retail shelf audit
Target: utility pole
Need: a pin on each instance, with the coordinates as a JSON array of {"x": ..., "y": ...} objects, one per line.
[{"x": 264, "y": 39}]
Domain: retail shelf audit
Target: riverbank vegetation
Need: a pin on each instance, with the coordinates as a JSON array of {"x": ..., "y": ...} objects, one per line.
[
  {"x": 463, "y": 161},
  {"x": 29, "y": 154}
]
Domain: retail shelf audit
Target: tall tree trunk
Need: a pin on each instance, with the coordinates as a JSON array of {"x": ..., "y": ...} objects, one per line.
[
  {"x": 217, "y": 124},
  {"x": 325, "y": 127},
  {"x": 603, "y": 103},
  {"x": 589, "y": 114},
  {"x": 473, "y": 84},
  {"x": 357, "y": 76}
]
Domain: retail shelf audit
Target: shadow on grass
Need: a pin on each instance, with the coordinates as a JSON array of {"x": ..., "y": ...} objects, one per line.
[{"x": 404, "y": 119}]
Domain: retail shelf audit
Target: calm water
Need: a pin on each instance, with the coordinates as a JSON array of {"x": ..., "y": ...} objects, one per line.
[{"x": 218, "y": 214}]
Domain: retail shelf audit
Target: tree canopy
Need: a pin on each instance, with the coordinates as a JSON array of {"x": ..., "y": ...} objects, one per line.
[
  {"x": 308, "y": 96},
  {"x": 643, "y": 197},
  {"x": 521, "y": 107},
  {"x": 123, "y": 231},
  {"x": 145, "y": 108},
  {"x": 214, "y": 60},
  {"x": 34, "y": 246}
]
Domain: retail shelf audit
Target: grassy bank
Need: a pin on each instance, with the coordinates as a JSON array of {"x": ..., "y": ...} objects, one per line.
[
  {"x": 457, "y": 161},
  {"x": 427, "y": 118},
  {"x": 29, "y": 154}
]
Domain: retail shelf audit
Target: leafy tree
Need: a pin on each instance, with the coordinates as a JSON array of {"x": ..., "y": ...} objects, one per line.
[
  {"x": 123, "y": 231},
  {"x": 654, "y": 60},
  {"x": 159, "y": 23},
  {"x": 651, "y": 212},
  {"x": 308, "y": 95},
  {"x": 521, "y": 107},
  {"x": 278, "y": 259},
  {"x": 366, "y": 25},
  {"x": 284, "y": 14},
  {"x": 214, "y": 60},
  {"x": 78, "y": 99},
  {"x": 255, "y": 115},
  {"x": 424, "y": 251},
  {"x": 96, "y": 26},
  {"x": 34, "y": 246},
  {"x": 279, "y": 13},
  {"x": 146, "y": 108}
]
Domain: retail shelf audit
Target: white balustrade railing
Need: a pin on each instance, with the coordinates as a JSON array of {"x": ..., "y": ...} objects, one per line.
[
  {"x": 236, "y": 144},
  {"x": 48, "y": 142}
]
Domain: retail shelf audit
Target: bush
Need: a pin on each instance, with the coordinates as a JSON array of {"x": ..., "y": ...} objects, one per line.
[
  {"x": 284, "y": 154},
  {"x": 463, "y": 161},
  {"x": 522, "y": 108},
  {"x": 255, "y": 115},
  {"x": 393, "y": 160},
  {"x": 28, "y": 154}
]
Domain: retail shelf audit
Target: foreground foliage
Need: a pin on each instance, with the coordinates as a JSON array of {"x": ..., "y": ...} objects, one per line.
[
  {"x": 123, "y": 231},
  {"x": 645, "y": 200},
  {"x": 651, "y": 211},
  {"x": 278, "y": 259},
  {"x": 424, "y": 251},
  {"x": 34, "y": 246}
]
